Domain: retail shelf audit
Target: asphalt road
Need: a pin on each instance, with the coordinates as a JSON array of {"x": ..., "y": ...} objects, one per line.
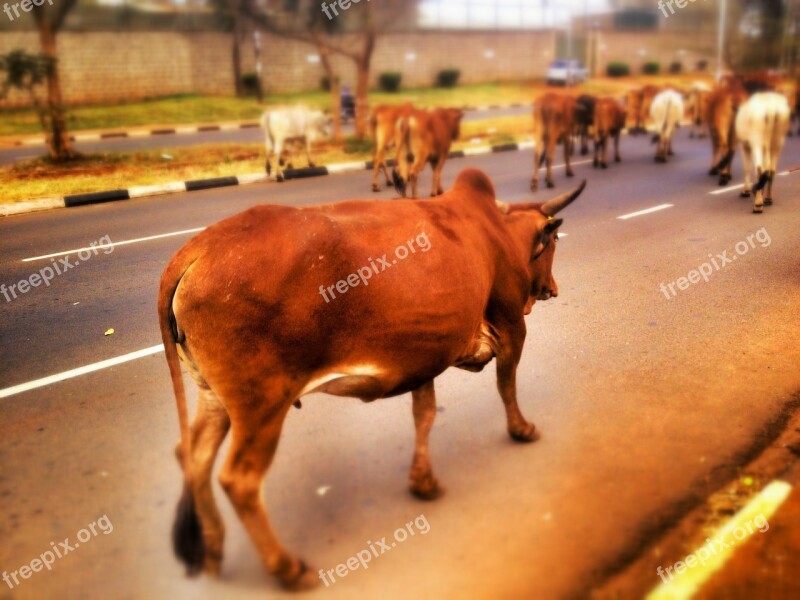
[
  {"x": 645, "y": 403},
  {"x": 242, "y": 136}
]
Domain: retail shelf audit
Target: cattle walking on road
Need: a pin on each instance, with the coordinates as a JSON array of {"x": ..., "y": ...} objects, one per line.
[
  {"x": 609, "y": 121},
  {"x": 761, "y": 125},
  {"x": 239, "y": 305},
  {"x": 553, "y": 123},
  {"x": 290, "y": 126},
  {"x": 424, "y": 136},
  {"x": 383, "y": 122},
  {"x": 721, "y": 108},
  {"x": 666, "y": 113}
]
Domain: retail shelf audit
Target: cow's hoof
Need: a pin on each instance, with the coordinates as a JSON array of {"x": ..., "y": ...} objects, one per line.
[
  {"x": 570, "y": 174},
  {"x": 312, "y": 165},
  {"x": 550, "y": 184},
  {"x": 279, "y": 178},
  {"x": 603, "y": 165},
  {"x": 376, "y": 187},
  {"x": 745, "y": 194},
  {"x": 534, "y": 186},
  {"x": 757, "y": 210},
  {"x": 526, "y": 434},
  {"x": 767, "y": 201},
  {"x": 584, "y": 151},
  {"x": 714, "y": 171},
  {"x": 723, "y": 181},
  {"x": 304, "y": 579},
  {"x": 427, "y": 488}
]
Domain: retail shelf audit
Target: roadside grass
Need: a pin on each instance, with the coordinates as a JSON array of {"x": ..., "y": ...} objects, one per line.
[
  {"x": 190, "y": 108},
  {"x": 41, "y": 178}
]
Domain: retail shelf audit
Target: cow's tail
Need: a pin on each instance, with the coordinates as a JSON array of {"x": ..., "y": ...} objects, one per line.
[{"x": 187, "y": 533}]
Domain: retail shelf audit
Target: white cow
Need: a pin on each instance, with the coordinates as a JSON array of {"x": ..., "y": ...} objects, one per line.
[
  {"x": 666, "y": 112},
  {"x": 290, "y": 126},
  {"x": 761, "y": 127}
]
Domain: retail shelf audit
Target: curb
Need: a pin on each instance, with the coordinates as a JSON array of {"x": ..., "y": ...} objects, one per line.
[
  {"x": 194, "y": 129},
  {"x": 73, "y": 200}
]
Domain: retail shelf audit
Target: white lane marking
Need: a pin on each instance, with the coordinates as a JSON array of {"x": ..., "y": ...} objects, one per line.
[
  {"x": 560, "y": 235},
  {"x": 646, "y": 211},
  {"x": 720, "y": 547},
  {"x": 345, "y": 167},
  {"x": 87, "y": 137},
  {"x": 33, "y": 141},
  {"x": 103, "y": 364},
  {"x": 741, "y": 185},
  {"x": 115, "y": 244}
]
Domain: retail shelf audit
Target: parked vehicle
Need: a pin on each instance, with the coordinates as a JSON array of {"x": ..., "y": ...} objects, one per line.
[{"x": 566, "y": 72}]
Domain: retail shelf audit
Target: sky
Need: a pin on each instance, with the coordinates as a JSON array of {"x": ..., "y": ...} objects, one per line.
[{"x": 504, "y": 13}]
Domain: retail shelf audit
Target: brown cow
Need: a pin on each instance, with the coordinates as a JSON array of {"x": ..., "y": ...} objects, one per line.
[
  {"x": 240, "y": 305},
  {"x": 723, "y": 104},
  {"x": 584, "y": 120},
  {"x": 639, "y": 102},
  {"x": 553, "y": 123},
  {"x": 383, "y": 121},
  {"x": 609, "y": 121},
  {"x": 424, "y": 136},
  {"x": 697, "y": 108}
]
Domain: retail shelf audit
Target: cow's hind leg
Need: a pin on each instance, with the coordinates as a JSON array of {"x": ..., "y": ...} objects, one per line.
[
  {"x": 519, "y": 428},
  {"x": 423, "y": 484},
  {"x": 255, "y": 429},
  {"x": 199, "y": 531}
]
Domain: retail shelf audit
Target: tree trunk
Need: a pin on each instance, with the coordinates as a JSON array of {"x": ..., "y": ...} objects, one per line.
[
  {"x": 237, "y": 48},
  {"x": 362, "y": 97},
  {"x": 335, "y": 87},
  {"x": 57, "y": 137}
]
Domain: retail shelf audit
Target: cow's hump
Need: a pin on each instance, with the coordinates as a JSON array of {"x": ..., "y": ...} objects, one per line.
[{"x": 477, "y": 180}]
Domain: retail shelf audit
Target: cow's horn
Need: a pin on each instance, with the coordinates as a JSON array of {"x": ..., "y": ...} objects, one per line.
[
  {"x": 556, "y": 205},
  {"x": 502, "y": 207}
]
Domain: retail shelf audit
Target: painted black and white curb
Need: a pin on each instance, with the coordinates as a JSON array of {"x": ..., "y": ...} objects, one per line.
[
  {"x": 206, "y": 184},
  {"x": 193, "y": 129}
]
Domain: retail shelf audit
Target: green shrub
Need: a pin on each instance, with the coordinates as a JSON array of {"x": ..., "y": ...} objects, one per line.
[
  {"x": 676, "y": 68},
  {"x": 618, "y": 69},
  {"x": 390, "y": 81},
  {"x": 702, "y": 65},
  {"x": 448, "y": 78},
  {"x": 651, "y": 68}
]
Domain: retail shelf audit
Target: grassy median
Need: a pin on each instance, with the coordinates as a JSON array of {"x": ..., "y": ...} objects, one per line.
[{"x": 40, "y": 178}]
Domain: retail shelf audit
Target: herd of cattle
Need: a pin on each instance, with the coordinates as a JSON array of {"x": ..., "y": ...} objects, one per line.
[{"x": 751, "y": 111}]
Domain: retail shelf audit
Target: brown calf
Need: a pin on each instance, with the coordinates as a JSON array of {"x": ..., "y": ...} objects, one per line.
[{"x": 723, "y": 104}]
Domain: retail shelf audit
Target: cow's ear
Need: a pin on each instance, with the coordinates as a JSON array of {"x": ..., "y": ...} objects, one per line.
[{"x": 552, "y": 225}]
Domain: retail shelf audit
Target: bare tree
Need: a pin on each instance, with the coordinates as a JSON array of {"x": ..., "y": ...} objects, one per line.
[
  {"x": 351, "y": 34},
  {"x": 57, "y": 136}
]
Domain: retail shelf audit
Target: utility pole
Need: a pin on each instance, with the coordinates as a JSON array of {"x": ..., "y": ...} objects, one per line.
[{"x": 723, "y": 6}]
